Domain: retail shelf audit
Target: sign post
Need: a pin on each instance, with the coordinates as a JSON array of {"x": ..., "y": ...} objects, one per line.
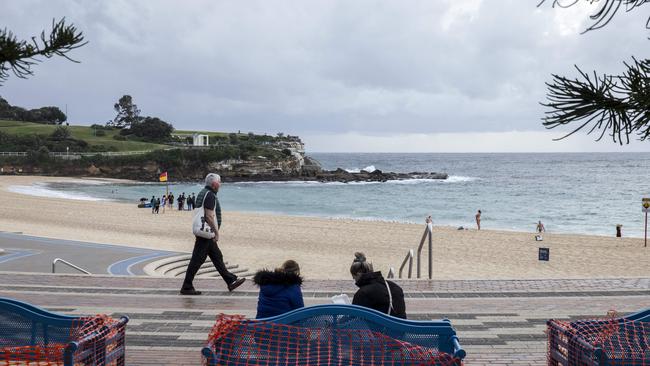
[{"x": 645, "y": 202}]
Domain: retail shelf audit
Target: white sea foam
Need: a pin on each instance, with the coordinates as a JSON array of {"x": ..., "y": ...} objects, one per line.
[
  {"x": 368, "y": 169},
  {"x": 459, "y": 178},
  {"x": 40, "y": 190}
]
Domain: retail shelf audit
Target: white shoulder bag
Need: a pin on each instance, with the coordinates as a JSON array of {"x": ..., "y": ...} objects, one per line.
[{"x": 201, "y": 228}]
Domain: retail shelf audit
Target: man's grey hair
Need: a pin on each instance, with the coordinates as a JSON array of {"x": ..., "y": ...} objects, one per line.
[{"x": 212, "y": 177}]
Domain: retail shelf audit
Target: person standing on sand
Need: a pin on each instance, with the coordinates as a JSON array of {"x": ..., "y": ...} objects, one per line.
[
  {"x": 163, "y": 202},
  {"x": 207, "y": 199},
  {"x": 540, "y": 227},
  {"x": 478, "y": 219},
  {"x": 153, "y": 204}
]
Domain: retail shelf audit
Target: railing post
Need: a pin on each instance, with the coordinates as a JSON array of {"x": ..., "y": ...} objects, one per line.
[
  {"x": 409, "y": 256},
  {"x": 424, "y": 236},
  {"x": 430, "y": 230},
  {"x": 410, "y": 263}
]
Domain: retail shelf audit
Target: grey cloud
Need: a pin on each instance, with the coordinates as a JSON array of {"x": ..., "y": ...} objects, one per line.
[{"x": 318, "y": 66}]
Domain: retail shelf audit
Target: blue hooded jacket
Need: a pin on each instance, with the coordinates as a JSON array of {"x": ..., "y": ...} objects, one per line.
[{"x": 279, "y": 292}]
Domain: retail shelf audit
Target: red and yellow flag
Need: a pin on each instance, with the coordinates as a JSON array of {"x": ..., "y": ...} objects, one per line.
[{"x": 163, "y": 177}]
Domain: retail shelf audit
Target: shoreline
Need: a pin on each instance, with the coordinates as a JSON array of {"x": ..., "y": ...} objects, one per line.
[
  {"x": 65, "y": 180},
  {"x": 324, "y": 247}
]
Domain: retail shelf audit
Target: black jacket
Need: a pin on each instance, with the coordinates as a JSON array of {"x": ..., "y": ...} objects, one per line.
[
  {"x": 373, "y": 294},
  {"x": 279, "y": 293}
]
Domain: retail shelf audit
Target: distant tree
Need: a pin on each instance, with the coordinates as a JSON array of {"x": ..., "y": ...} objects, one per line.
[
  {"x": 614, "y": 104},
  {"x": 280, "y": 135},
  {"x": 52, "y": 115},
  {"x": 234, "y": 139},
  {"x": 127, "y": 113},
  {"x": 19, "y": 56},
  {"x": 152, "y": 129},
  {"x": 61, "y": 133}
]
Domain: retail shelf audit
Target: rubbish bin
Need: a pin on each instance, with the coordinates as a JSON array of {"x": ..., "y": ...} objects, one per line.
[{"x": 618, "y": 230}]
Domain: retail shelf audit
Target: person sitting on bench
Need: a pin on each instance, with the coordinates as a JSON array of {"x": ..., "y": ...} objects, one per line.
[{"x": 374, "y": 291}]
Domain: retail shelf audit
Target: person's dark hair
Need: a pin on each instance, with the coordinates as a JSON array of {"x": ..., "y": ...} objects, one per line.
[
  {"x": 479, "y": 211},
  {"x": 359, "y": 265},
  {"x": 290, "y": 266}
]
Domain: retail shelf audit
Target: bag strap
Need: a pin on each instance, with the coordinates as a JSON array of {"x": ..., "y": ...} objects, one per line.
[
  {"x": 390, "y": 298},
  {"x": 204, "y": 192}
]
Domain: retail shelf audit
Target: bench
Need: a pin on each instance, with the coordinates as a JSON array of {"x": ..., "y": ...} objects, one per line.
[
  {"x": 600, "y": 342},
  {"x": 332, "y": 335},
  {"x": 32, "y": 335}
]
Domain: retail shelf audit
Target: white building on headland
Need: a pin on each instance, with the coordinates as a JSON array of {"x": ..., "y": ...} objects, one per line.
[
  {"x": 200, "y": 140},
  {"x": 197, "y": 139}
]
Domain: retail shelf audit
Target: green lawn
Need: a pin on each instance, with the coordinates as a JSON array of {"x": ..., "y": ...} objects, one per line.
[{"x": 79, "y": 132}]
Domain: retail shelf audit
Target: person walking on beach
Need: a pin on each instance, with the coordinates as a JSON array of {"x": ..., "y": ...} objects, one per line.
[
  {"x": 478, "y": 219},
  {"x": 157, "y": 205},
  {"x": 207, "y": 199},
  {"x": 153, "y": 204},
  {"x": 170, "y": 200},
  {"x": 540, "y": 227}
]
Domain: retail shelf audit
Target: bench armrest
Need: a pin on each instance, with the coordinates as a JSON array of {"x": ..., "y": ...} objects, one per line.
[{"x": 459, "y": 352}]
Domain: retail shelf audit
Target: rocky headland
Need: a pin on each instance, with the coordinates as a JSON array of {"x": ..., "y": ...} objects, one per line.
[{"x": 285, "y": 162}]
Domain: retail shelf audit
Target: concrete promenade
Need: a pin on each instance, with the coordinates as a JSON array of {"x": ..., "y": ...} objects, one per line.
[{"x": 498, "y": 322}]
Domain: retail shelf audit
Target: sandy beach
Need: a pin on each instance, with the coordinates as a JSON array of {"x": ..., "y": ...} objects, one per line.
[{"x": 323, "y": 247}]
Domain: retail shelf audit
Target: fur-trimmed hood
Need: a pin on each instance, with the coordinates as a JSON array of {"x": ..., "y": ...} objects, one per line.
[{"x": 266, "y": 277}]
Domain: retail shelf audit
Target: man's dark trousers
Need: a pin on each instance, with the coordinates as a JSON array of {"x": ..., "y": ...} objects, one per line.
[{"x": 206, "y": 248}]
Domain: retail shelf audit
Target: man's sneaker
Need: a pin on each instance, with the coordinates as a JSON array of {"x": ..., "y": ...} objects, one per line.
[
  {"x": 236, "y": 283},
  {"x": 190, "y": 292}
]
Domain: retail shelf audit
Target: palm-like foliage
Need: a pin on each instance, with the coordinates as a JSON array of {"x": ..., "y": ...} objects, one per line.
[
  {"x": 18, "y": 57},
  {"x": 618, "y": 104}
]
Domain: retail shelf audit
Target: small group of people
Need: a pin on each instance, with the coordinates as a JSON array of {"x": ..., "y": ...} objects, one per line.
[
  {"x": 185, "y": 203},
  {"x": 155, "y": 204},
  {"x": 280, "y": 289}
]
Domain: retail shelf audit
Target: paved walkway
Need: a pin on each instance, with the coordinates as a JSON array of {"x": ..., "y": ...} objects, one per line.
[
  {"x": 24, "y": 252},
  {"x": 498, "y": 322}
]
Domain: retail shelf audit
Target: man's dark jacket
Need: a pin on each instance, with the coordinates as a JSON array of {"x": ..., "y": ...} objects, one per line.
[
  {"x": 373, "y": 294},
  {"x": 279, "y": 292}
]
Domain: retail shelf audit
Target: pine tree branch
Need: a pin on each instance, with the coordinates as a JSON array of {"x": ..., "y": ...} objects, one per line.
[
  {"x": 618, "y": 104},
  {"x": 605, "y": 13},
  {"x": 18, "y": 57}
]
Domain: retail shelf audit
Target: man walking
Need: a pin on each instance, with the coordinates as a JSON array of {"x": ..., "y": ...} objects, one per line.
[{"x": 207, "y": 199}]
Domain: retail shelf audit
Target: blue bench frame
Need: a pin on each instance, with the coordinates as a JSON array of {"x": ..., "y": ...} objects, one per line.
[
  {"x": 559, "y": 338},
  {"x": 42, "y": 319},
  {"x": 449, "y": 343}
]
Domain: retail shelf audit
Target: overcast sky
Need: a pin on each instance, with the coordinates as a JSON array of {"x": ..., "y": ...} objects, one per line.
[{"x": 398, "y": 76}]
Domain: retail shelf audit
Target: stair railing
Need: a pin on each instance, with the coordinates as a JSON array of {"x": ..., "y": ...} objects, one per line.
[{"x": 56, "y": 260}]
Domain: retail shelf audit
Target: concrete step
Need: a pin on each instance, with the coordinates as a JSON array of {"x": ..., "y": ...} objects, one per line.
[{"x": 176, "y": 266}]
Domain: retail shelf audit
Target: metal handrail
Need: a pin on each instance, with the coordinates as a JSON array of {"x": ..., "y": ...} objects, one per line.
[
  {"x": 409, "y": 258},
  {"x": 54, "y": 262},
  {"x": 427, "y": 232}
]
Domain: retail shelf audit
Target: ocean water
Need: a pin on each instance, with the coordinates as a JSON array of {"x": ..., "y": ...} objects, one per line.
[{"x": 571, "y": 193}]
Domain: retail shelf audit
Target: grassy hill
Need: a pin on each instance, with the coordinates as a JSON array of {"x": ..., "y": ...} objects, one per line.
[{"x": 79, "y": 132}]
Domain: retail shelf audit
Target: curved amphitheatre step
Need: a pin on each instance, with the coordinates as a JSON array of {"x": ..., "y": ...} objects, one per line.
[{"x": 176, "y": 266}]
